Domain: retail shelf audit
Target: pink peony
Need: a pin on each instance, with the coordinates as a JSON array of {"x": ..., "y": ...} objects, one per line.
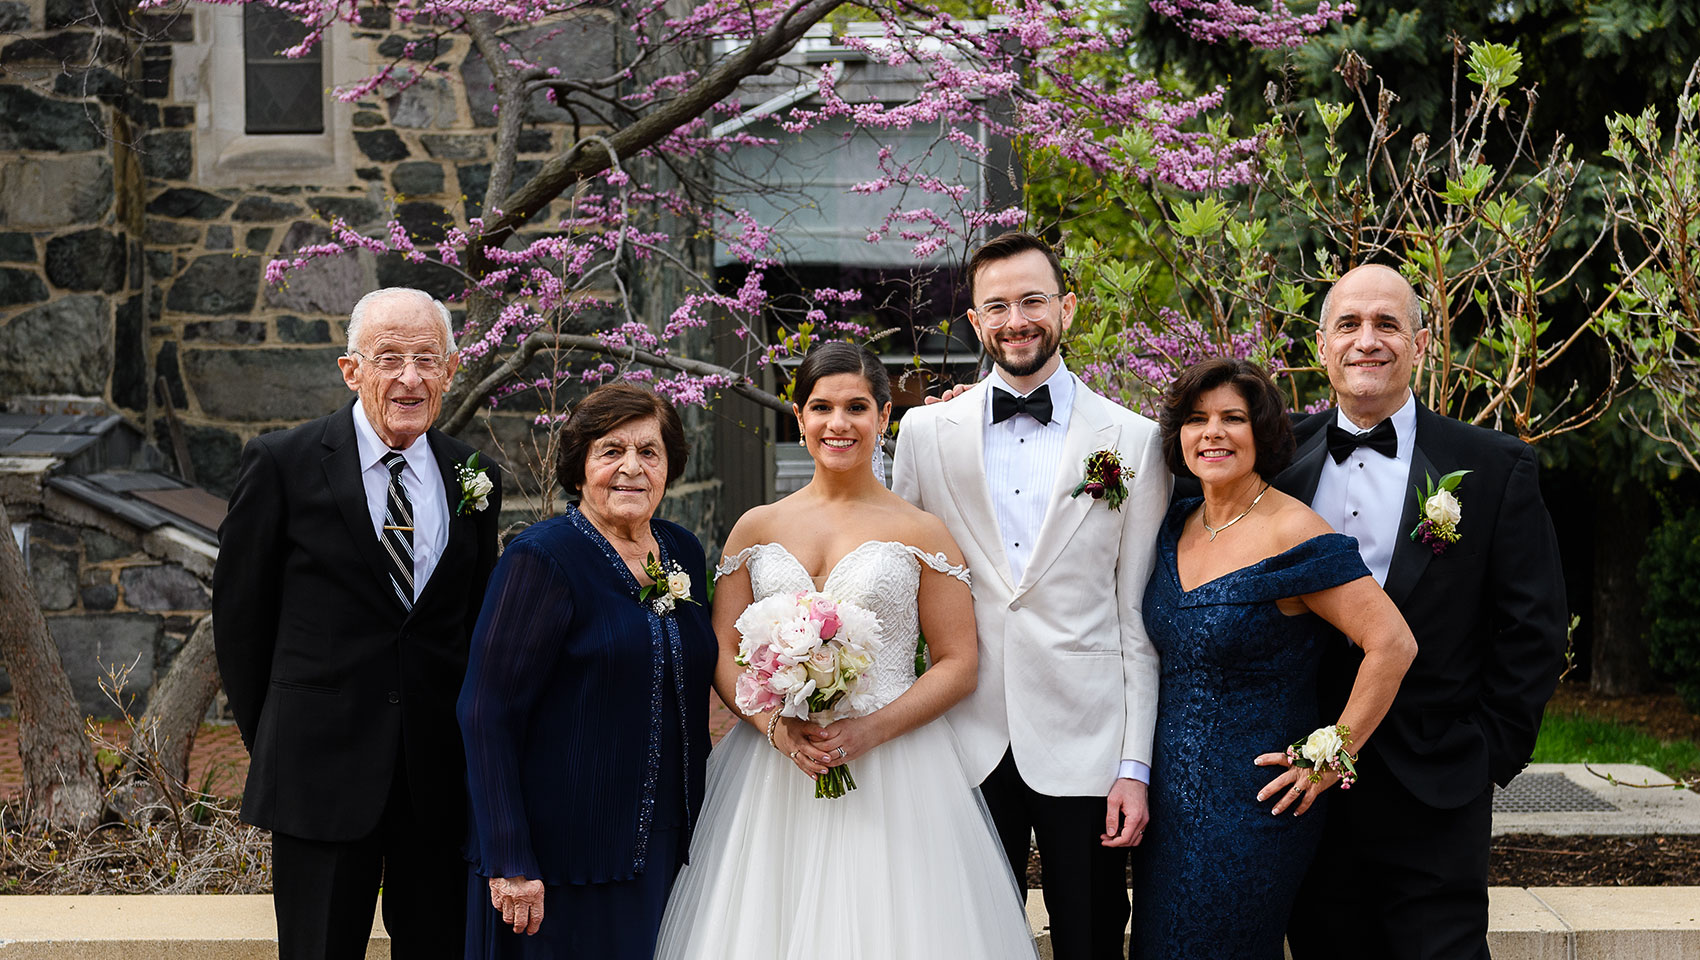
[{"x": 754, "y": 696}]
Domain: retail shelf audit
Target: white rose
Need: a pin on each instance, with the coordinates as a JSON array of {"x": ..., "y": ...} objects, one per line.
[
  {"x": 1443, "y": 508},
  {"x": 1322, "y": 746},
  {"x": 679, "y": 584},
  {"x": 823, "y": 666},
  {"x": 855, "y": 662},
  {"x": 479, "y": 486}
]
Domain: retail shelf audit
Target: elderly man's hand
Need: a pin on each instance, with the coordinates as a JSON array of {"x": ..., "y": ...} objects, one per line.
[{"x": 521, "y": 902}]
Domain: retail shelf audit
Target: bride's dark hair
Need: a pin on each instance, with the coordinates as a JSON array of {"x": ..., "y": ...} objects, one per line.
[{"x": 835, "y": 357}]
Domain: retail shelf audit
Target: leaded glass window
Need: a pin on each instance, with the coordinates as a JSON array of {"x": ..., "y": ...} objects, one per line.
[{"x": 282, "y": 95}]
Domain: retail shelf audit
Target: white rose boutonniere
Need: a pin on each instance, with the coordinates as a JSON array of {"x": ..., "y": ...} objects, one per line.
[
  {"x": 671, "y": 587},
  {"x": 475, "y": 486},
  {"x": 1441, "y": 511}
]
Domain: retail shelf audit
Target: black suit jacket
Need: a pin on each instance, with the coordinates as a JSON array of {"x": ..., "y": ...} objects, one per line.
[
  {"x": 1489, "y": 614},
  {"x": 331, "y": 680}
]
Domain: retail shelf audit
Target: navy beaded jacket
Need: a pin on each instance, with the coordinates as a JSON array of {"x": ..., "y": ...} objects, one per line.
[{"x": 579, "y": 701}]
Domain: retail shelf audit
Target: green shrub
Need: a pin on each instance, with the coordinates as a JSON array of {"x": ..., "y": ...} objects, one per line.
[{"x": 1671, "y": 573}]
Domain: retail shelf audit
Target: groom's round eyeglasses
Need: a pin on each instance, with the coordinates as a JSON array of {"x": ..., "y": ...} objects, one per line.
[
  {"x": 429, "y": 366},
  {"x": 995, "y": 313}
]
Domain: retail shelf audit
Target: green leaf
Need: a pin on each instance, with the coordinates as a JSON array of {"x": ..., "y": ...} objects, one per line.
[
  {"x": 1197, "y": 219},
  {"x": 1494, "y": 66}
]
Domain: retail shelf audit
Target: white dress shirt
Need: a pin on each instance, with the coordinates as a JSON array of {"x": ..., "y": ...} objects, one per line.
[
  {"x": 1364, "y": 495},
  {"x": 1022, "y": 459},
  {"x": 1022, "y": 455},
  {"x": 424, "y": 484}
]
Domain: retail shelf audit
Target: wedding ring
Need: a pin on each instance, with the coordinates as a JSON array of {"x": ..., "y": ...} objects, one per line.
[
  {"x": 793, "y": 754},
  {"x": 841, "y": 753}
]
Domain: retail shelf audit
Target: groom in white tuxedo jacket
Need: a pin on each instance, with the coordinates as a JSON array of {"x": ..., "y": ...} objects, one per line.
[{"x": 1058, "y": 732}]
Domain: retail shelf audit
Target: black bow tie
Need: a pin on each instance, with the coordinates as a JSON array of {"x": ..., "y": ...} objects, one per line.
[
  {"x": 1382, "y": 440},
  {"x": 1036, "y": 404}
]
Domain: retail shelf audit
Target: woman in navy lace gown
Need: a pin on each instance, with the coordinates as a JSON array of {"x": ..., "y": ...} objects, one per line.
[
  {"x": 1249, "y": 586},
  {"x": 585, "y": 705}
]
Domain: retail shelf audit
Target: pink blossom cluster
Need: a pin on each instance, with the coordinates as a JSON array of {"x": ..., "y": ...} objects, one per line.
[
  {"x": 1147, "y": 357},
  {"x": 1216, "y": 20}
]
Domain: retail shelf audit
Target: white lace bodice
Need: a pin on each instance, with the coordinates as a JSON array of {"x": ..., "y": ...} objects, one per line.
[{"x": 882, "y": 576}]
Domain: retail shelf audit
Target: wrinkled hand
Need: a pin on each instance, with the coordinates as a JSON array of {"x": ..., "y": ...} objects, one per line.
[
  {"x": 1293, "y": 784},
  {"x": 521, "y": 902},
  {"x": 852, "y": 734},
  {"x": 1125, "y": 814},
  {"x": 791, "y": 737},
  {"x": 950, "y": 394}
]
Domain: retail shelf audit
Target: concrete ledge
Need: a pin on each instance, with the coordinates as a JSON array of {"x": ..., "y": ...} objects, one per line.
[
  {"x": 1539, "y": 923},
  {"x": 1554, "y": 923},
  {"x": 147, "y": 928}
]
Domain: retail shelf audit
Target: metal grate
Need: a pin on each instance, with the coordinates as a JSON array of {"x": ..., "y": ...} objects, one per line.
[{"x": 1547, "y": 793}]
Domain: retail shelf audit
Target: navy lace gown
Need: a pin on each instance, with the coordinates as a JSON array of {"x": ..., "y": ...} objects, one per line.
[{"x": 1216, "y": 874}]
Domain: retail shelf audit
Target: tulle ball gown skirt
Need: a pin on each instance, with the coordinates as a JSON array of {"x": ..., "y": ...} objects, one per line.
[{"x": 904, "y": 866}]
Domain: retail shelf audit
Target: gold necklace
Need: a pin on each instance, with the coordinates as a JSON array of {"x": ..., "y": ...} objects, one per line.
[{"x": 1216, "y": 530}]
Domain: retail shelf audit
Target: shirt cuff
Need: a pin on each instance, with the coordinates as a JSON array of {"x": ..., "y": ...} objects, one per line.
[{"x": 1134, "y": 770}]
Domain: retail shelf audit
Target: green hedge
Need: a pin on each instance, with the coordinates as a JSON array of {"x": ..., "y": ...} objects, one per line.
[{"x": 1671, "y": 573}]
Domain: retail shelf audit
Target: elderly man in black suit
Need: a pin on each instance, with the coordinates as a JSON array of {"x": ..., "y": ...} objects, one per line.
[
  {"x": 1402, "y": 872},
  {"x": 351, "y": 570}
]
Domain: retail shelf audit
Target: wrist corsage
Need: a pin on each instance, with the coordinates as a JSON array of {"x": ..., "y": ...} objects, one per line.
[
  {"x": 475, "y": 486},
  {"x": 1441, "y": 513},
  {"x": 1104, "y": 479},
  {"x": 1326, "y": 749},
  {"x": 671, "y": 587}
]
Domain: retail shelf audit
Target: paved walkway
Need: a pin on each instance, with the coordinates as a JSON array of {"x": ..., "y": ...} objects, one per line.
[{"x": 218, "y": 763}]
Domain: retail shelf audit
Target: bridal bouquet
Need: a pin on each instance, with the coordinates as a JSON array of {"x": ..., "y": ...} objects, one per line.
[{"x": 805, "y": 655}]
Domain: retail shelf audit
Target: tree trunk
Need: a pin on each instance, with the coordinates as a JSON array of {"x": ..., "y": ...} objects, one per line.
[
  {"x": 61, "y": 782},
  {"x": 166, "y": 732},
  {"x": 1618, "y": 664}
]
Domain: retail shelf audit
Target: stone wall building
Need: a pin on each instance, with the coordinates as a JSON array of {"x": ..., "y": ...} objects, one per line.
[{"x": 151, "y": 164}]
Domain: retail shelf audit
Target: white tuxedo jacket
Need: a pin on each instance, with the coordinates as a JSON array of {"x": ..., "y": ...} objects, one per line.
[{"x": 1068, "y": 676}]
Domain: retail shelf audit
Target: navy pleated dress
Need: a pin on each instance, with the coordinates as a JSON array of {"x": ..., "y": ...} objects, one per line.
[
  {"x": 585, "y": 718},
  {"x": 1216, "y": 874}
]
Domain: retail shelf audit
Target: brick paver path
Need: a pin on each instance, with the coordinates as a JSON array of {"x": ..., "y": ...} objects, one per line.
[{"x": 219, "y": 763}]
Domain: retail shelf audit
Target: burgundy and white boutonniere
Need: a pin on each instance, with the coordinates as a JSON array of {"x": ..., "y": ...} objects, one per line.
[
  {"x": 475, "y": 486},
  {"x": 1104, "y": 479},
  {"x": 1441, "y": 513}
]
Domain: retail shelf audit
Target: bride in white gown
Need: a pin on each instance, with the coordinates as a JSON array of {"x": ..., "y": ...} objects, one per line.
[{"x": 906, "y": 865}]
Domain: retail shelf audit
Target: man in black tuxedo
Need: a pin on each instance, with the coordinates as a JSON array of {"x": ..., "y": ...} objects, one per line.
[
  {"x": 351, "y": 570},
  {"x": 1402, "y": 871}
]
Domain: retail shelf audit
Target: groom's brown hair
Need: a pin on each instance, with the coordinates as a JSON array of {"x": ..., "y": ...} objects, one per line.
[{"x": 1007, "y": 245}]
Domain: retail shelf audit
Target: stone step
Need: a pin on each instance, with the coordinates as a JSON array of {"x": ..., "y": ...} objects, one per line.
[{"x": 1538, "y": 923}]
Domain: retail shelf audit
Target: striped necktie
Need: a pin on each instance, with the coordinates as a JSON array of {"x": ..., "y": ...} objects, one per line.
[{"x": 398, "y": 531}]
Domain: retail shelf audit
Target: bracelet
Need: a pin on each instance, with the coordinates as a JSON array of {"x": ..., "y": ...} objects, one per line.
[
  {"x": 1326, "y": 749},
  {"x": 772, "y": 722}
]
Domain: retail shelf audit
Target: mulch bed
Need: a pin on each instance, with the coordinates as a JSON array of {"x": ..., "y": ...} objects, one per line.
[{"x": 1528, "y": 860}]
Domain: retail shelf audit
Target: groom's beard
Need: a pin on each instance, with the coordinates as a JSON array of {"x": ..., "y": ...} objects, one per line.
[{"x": 1042, "y": 354}]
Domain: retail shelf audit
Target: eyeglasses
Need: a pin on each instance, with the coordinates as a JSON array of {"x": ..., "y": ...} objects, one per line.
[
  {"x": 429, "y": 366},
  {"x": 995, "y": 313}
]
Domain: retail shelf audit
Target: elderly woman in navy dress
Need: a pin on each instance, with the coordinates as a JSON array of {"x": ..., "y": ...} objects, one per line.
[
  {"x": 1249, "y": 586},
  {"x": 585, "y": 705}
]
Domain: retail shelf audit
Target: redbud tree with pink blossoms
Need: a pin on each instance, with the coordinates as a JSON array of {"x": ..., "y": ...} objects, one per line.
[{"x": 555, "y": 265}]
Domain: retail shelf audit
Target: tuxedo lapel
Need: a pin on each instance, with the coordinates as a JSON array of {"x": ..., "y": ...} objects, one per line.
[
  {"x": 1088, "y": 430},
  {"x": 1410, "y": 558},
  {"x": 961, "y": 439},
  {"x": 460, "y": 528},
  {"x": 1301, "y": 476},
  {"x": 342, "y": 475}
]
